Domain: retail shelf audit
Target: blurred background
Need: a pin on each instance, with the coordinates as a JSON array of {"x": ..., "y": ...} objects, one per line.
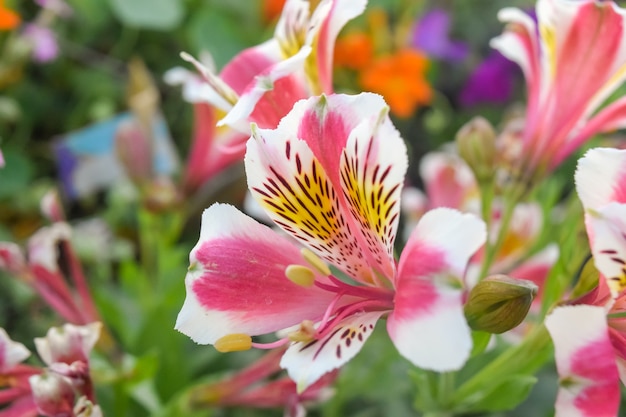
[{"x": 71, "y": 72}]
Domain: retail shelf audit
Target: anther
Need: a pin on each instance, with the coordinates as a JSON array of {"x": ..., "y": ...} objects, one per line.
[
  {"x": 305, "y": 333},
  {"x": 315, "y": 261},
  {"x": 233, "y": 343},
  {"x": 300, "y": 275}
]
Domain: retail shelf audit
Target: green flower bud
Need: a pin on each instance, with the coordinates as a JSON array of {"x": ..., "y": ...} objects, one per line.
[
  {"x": 476, "y": 143},
  {"x": 499, "y": 303}
]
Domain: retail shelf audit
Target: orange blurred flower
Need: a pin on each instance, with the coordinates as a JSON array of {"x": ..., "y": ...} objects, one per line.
[
  {"x": 354, "y": 51},
  {"x": 271, "y": 9},
  {"x": 8, "y": 18},
  {"x": 400, "y": 79}
]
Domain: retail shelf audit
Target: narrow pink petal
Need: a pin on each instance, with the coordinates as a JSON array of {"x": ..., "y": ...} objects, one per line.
[
  {"x": 21, "y": 407},
  {"x": 448, "y": 180},
  {"x": 246, "y": 65},
  {"x": 585, "y": 362},
  {"x": 236, "y": 281},
  {"x": 609, "y": 119},
  {"x": 271, "y": 93},
  {"x": 519, "y": 43},
  {"x": 12, "y": 258},
  {"x": 601, "y": 177},
  {"x": 206, "y": 157},
  {"x": 606, "y": 228},
  {"x": 341, "y": 12},
  {"x": 427, "y": 324},
  {"x": 307, "y": 362},
  {"x": 586, "y": 57}
]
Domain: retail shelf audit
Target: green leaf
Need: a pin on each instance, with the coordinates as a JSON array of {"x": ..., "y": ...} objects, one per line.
[
  {"x": 16, "y": 176},
  {"x": 149, "y": 14},
  {"x": 506, "y": 395}
]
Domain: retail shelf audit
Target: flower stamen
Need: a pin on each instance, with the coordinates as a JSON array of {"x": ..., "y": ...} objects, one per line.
[
  {"x": 233, "y": 343},
  {"x": 300, "y": 275},
  {"x": 315, "y": 261}
]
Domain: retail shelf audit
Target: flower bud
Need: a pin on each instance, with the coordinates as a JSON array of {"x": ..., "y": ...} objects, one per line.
[
  {"x": 476, "y": 143},
  {"x": 499, "y": 303}
]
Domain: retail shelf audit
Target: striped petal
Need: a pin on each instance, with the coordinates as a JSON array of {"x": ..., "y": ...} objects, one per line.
[
  {"x": 585, "y": 362},
  {"x": 606, "y": 228},
  {"x": 236, "y": 281},
  {"x": 306, "y": 362},
  {"x": 519, "y": 43},
  {"x": 341, "y": 12},
  {"x": 427, "y": 324},
  {"x": 593, "y": 53},
  {"x": 601, "y": 177},
  {"x": 323, "y": 179}
]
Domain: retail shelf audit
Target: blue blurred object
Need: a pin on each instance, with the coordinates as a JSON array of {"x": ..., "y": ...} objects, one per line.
[{"x": 87, "y": 161}]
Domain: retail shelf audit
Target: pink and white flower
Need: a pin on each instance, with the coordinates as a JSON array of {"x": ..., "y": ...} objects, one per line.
[
  {"x": 449, "y": 182},
  {"x": 570, "y": 72},
  {"x": 589, "y": 384},
  {"x": 262, "y": 83},
  {"x": 323, "y": 177},
  {"x": 590, "y": 336},
  {"x": 15, "y": 394}
]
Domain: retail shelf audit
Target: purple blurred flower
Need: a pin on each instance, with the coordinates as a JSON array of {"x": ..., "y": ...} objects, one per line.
[
  {"x": 44, "y": 43},
  {"x": 430, "y": 35},
  {"x": 491, "y": 82}
]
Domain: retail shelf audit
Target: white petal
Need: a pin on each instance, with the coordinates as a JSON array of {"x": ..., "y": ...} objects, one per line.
[
  {"x": 436, "y": 337},
  {"x": 11, "y": 353},
  {"x": 307, "y": 362},
  {"x": 458, "y": 235},
  {"x": 601, "y": 177}
]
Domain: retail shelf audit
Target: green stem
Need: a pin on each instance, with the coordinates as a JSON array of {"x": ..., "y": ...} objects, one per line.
[
  {"x": 525, "y": 358},
  {"x": 493, "y": 249}
]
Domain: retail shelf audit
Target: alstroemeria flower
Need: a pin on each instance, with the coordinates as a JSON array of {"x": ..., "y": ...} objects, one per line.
[
  {"x": 449, "y": 182},
  {"x": 589, "y": 384},
  {"x": 570, "y": 71},
  {"x": 599, "y": 316},
  {"x": 330, "y": 176},
  {"x": 42, "y": 271},
  {"x": 15, "y": 393},
  {"x": 262, "y": 83},
  {"x": 213, "y": 148},
  {"x": 601, "y": 186}
]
